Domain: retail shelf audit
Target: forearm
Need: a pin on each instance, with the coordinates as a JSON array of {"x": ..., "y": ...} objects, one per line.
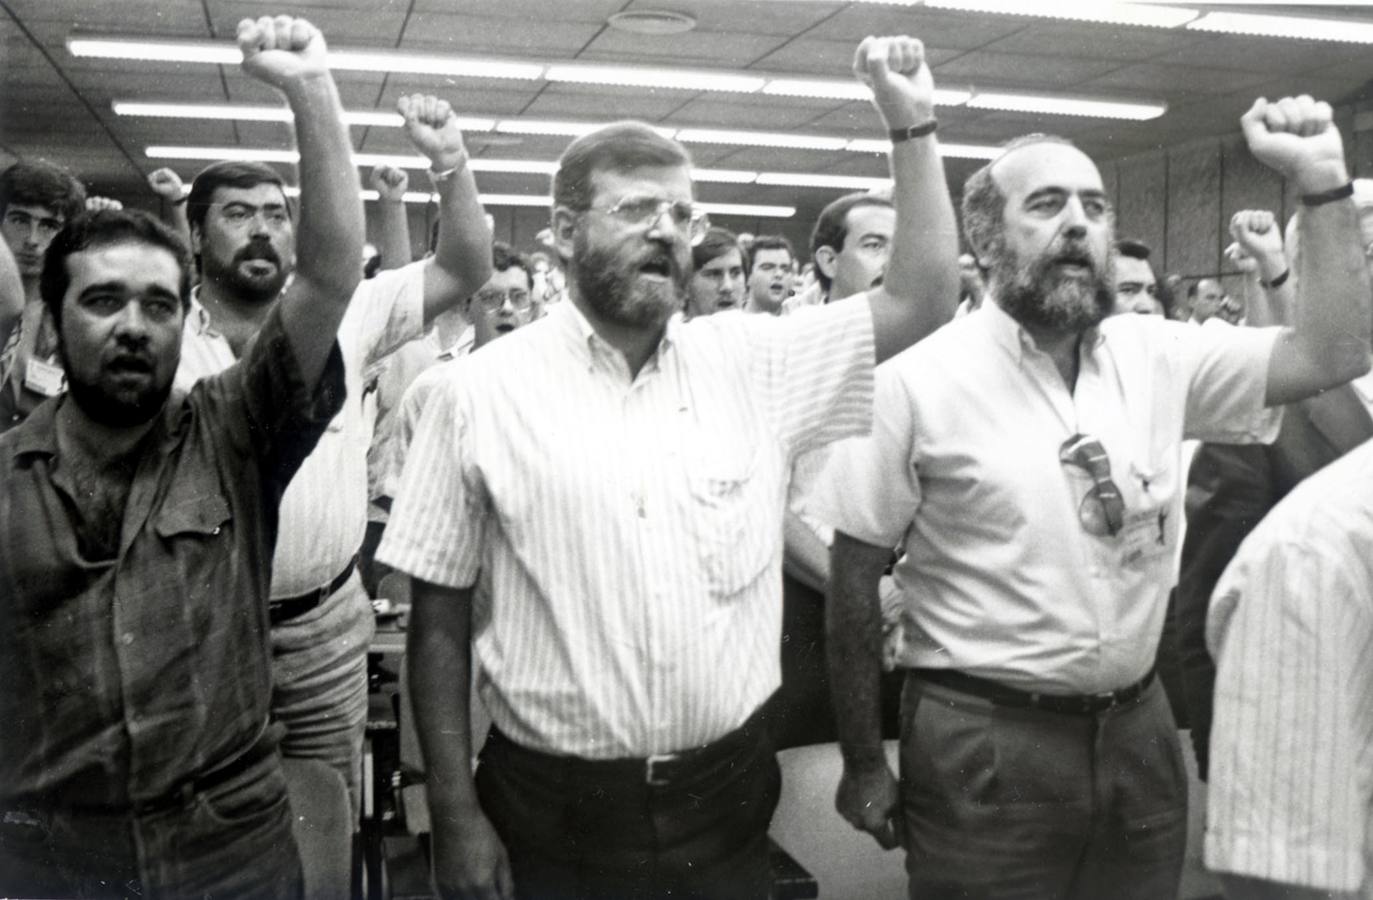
[
  {"x": 11, "y": 293},
  {"x": 805, "y": 557},
  {"x": 853, "y": 629},
  {"x": 463, "y": 252},
  {"x": 439, "y": 650},
  {"x": 920, "y": 290},
  {"x": 330, "y": 233},
  {"x": 174, "y": 216},
  {"x": 393, "y": 233}
]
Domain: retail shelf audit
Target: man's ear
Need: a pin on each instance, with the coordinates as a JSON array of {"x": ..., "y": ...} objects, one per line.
[
  {"x": 564, "y": 229},
  {"x": 196, "y": 236},
  {"x": 826, "y": 260}
]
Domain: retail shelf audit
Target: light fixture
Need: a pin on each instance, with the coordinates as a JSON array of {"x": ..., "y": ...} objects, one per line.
[
  {"x": 236, "y": 154},
  {"x": 292, "y": 190},
  {"x": 656, "y": 22},
  {"x": 961, "y": 151},
  {"x": 723, "y": 176},
  {"x": 762, "y": 211},
  {"x": 837, "y": 89},
  {"x": 839, "y": 182},
  {"x": 1306, "y": 27},
  {"x": 248, "y": 113},
  {"x": 760, "y": 139},
  {"x": 672, "y": 79},
  {"x": 1067, "y": 106},
  {"x": 1146, "y": 15},
  {"x": 211, "y": 52}
]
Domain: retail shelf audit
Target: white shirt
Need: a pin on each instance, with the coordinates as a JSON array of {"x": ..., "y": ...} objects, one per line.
[
  {"x": 1291, "y": 627},
  {"x": 627, "y": 532},
  {"x": 324, "y": 511},
  {"x": 1000, "y": 578}
]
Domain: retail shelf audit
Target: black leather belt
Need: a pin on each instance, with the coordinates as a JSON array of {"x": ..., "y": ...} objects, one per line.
[
  {"x": 279, "y": 611},
  {"x": 1004, "y": 695},
  {"x": 663, "y": 770},
  {"x": 182, "y": 796}
]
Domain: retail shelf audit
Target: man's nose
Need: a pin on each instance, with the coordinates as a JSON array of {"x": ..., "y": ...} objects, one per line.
[{"x": 131, "y": 323}]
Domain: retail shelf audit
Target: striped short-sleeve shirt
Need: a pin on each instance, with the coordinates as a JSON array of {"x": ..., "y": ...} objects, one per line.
[
  {"x": 1291, "y": 627},
  {"x": 626, "y": 532}
]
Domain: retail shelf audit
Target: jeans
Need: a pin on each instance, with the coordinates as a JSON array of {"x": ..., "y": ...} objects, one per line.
[
  {"x": 232, "y": 841},
  {"x": 1001, "y": 802}
]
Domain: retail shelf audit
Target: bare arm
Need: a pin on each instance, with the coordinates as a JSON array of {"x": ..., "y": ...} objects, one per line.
[
  {"x": 867, "y": 795},
  {"x": 920, "y": 290},
  {"x": 1329, "y": 341},
  {"x": 290, "y": 55},
  {"x": 462, "y": 260},
  {"x": 166, "y": 184},
  {"x": 11, "y": 293},
  {"x": 393, "y": 226},
  {"x": 1257, "y": 252},
  {"x": 469, "y": 859},
  {"x": 805, "y": 558}
]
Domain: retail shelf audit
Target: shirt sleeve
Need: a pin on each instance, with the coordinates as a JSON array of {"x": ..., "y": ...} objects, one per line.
[
  {"x": 1289, "y": 792},
  {"x": 437, "y": 528},
  {"x": 386, "y": 311},
  {"x": 815, "y": 370},
  {"x": 283, "y": 416},
  {"x": 1226, "y": 372},
  {"x": 870, "y": 487}
]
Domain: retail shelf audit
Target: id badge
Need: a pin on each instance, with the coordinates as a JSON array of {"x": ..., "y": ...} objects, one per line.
[
  {"x": 1144, "y": 537},
  {"x": 44, "y": 378}
]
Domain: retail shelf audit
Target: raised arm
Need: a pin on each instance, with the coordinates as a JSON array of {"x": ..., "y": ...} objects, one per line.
[
  {"x": 1329, "y": 341},
  {"x": 393, "y": 228},
  {"x": 290, "y": 55},
  {"x": 166, "y": 184},
  {"x": 11, "y": 293},
  {"x": 867, "y": 795},
  {"x": 1257, "y": 252},
  {"x": 920, "y": 290},
  {"x": 469, "y": 859},
  {"x": 462, "y": 259}
]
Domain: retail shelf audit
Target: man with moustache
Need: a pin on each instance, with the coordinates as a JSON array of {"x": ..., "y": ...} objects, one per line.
[
  {"x": 137, "y": 526},
  {"x": 1032, "y": 499},
  {"x": 243, "y": 237},
  {"x": 594, "y": 508}
]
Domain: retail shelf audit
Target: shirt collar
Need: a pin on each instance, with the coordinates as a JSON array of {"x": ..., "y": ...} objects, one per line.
[
  {"x": 1012, "y": 336},
  {"x": 38, "y": 432},
  {"x": 198, "y": 317},
  {"x": 577, "y": 327}
]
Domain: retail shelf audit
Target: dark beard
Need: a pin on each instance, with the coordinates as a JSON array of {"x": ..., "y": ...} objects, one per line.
[
  {"x": 1037, "y": 295},
  {"x": 115, "y": 409},
  {"x": 608, "y": 284},
  {"x": 252, "y": 290}
]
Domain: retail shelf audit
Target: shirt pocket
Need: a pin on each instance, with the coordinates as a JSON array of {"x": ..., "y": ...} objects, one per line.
[
  {"x": 733, "y": 522},
  {"x": 201, "y": 516}
]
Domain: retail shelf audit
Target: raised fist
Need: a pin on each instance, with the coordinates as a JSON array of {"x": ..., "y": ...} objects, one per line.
[
  {"x": 1258, "y": 242},
  {"x": 166, "y": 184},
  {"x": 1296, "y": 137},
  {"x": 433, "y": 129},
  {"x": 902, "y": 87},
  {"x": 282, "y": 50},
  {"x": 97, "y": 204},
  {"x": 389, "y": 182}
]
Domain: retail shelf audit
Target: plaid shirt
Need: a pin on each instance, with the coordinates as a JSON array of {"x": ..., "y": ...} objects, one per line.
[{"x": 125, "y": 677}]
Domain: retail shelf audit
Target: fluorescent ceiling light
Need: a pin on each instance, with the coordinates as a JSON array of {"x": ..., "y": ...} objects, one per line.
[
  {"x": 724, "y": 176},
  {"x": 513, "y": 200},
  {"x": 292, "y": 190},
  {"x": 546, "y": 126},
  {"x": 760, "y": 139},
  {"x": 388, "y": 61},
  {"x": 840, "y": 182},
  {"x": 238, "y": 154},
  {"x": 961, "y": 151},
  {"x": 248, "y": 113},
  {"x": 1286, "y": 27},
  {"x": 761, "y": 211},
  {"x": 212, "y": 52},
  {"x": 1149, "y": 16},
  {"x": 1067, "y": 106},
  {"x": 841, "y": 89},
  {"x": 674, "y": 79}
]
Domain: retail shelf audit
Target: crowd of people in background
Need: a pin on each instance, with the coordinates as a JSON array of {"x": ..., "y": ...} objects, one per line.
[{"x": 664, "y": 499}]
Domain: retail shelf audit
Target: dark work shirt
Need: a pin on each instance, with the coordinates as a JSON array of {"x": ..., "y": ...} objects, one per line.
[{"x": 121, "y": 679}]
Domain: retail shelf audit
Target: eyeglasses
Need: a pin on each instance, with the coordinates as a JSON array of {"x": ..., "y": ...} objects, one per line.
[
  {"x": 643, "y": 209},
  {"x": 493, "y": 300},
  {"x": 1102, "y": 511}
]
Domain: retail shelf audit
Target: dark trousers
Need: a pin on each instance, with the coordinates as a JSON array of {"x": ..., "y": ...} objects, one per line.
[
  {"x": 1002, "y": 802},
  {"x": 575, "y": 833},
  {"x": 233, "y": 841}
]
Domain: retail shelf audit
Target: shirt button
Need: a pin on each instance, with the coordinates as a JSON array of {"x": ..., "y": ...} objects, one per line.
[{"x": 127, "y": 639}]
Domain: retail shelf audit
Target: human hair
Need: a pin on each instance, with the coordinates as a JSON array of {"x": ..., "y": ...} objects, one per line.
[
  {"x": 984, "y": 205},
  {"x": 107, "y": 228},
  {"x": 619, "y": 146},
  {"x": 40, "y": 183},
  {"x": 228, "y": 173},
  {"x": 769, "y": 242},
  {"x": 832, "y": 226},
  {"x": 1133, "y": 249},
  {"x": 716, "y": 243},
  {"x": 504, "y": 257}
]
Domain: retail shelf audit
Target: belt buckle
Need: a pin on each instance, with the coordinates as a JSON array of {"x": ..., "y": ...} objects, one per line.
[
  {"x": 651, "y": 777},
  {"x": 1107, "y": 699}
]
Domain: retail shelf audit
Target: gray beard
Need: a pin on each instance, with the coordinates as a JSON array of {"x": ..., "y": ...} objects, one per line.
[{"x": 1037, "y": 296}]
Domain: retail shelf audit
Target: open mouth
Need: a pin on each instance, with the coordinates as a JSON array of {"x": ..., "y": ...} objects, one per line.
[
  {"x": 504, "y": 327},
  {"x": 658, "y": 267},
  {"x": 130, "y": 366}
]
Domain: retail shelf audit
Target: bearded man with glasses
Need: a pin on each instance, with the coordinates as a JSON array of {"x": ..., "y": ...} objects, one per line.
[
  {"x": 1036, "y": 494},
  {"x": 593, "y": 506}
]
